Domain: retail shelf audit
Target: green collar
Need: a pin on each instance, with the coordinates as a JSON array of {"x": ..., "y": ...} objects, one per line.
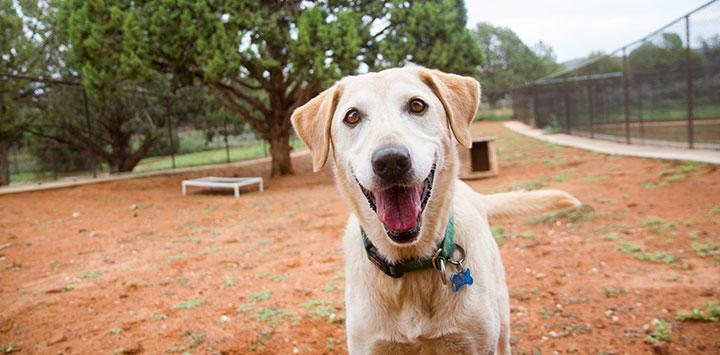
[{"x": 397, "y": 270}]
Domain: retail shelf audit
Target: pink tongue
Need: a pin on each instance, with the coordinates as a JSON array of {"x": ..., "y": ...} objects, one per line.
[{"x": 398, "y": 207}]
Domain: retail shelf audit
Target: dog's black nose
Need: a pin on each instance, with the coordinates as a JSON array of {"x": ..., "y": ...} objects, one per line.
[{"x": 391, "y": 163}]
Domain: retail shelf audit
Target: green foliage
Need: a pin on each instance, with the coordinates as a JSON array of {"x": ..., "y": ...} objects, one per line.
[
  {"x": 190, "y": 304},
  {"x": 628, "y": 247},
  {"x": 658, "y": 225},
  {"x": 662, "y": 332},
  {"x": 259, "y": 296},
  {"x": 711, "y": 314},
  {"x": 573, "y": 215},
  {"x": 709, "y": 248},
  {"x": 508, "y": 62},
  {"x": 321, "y": 309},
  {"x": 433, "y": 34},
  {"x": 656, "y": 257}
]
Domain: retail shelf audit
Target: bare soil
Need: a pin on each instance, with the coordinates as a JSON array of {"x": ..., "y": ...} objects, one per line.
[{"x": 132, "y": 266}]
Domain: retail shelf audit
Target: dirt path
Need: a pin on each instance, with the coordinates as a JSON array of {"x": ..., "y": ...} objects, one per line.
[{"x": 133, "y": 265}]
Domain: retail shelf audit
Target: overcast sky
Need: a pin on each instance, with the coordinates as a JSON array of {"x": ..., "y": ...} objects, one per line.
[{"x": 575, "y": 28}]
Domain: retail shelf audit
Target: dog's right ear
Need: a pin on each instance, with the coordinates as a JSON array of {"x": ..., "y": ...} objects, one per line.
[{"x": 312, "y": 123}]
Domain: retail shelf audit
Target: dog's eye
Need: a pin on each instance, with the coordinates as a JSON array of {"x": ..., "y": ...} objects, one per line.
[
  {"x": 352, "y": 117},
  {"x": 417, "y": 106}
]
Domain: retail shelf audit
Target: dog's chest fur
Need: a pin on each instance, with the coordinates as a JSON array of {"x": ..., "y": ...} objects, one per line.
[{"x": 416, "y": 313}]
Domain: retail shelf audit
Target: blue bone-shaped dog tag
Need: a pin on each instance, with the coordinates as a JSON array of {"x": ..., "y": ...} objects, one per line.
[{"x": 461, "y": 279}]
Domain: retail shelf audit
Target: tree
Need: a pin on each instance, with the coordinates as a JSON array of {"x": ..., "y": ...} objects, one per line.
[
  {"x": 508, "y": 61},
  {"x": 433, "y": 34},
  {"x": 23, "y": 46},
  {"x": 107, "y": 50},
  {"x": 669, "y": 56},
  {"x": 265, "y": 58}
]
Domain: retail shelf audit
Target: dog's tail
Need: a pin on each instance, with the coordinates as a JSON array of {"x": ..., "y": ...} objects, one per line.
[{"x": 519, "y": 203}]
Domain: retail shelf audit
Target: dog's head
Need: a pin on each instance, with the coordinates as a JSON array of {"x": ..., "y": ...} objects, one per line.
[{"x": 392, "y": 135}]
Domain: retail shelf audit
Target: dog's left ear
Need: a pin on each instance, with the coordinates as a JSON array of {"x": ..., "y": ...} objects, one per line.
[
  {"x": 312, "y": 123},
  {"x": 460, "y": 97}
]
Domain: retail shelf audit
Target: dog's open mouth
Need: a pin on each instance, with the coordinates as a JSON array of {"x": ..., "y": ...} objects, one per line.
[{"x": 400, "y": 207}]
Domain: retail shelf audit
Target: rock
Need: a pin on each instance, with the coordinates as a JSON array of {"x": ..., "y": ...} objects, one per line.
[
  {"x": 224, "y": 319},
  {"x": 661, "y": 348},
  {"x": 94, "y": 234},
  {"x": 75, "y": 214},
  {"x": 136, "y": 348},
  {"x": 57, "y": 339},
  {"x": 134, "y": 207}
]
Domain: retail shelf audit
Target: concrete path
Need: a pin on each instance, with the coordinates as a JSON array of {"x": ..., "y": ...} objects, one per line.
[
  {"x": 78, "y": 181},
  {"x": 644, "y": 151}
]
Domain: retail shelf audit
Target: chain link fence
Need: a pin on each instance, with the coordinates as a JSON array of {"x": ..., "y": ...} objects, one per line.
[
  {"x": 64, "y": 134},
  {"x": 663, "y": 89}
]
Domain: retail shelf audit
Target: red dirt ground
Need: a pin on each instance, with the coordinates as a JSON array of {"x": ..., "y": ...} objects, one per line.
[{"x": 133, "y": 266}]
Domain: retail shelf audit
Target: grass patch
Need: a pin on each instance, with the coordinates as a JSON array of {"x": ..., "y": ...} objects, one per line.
[
  {"x": 524, "y": 294},
  {"x": 657, "y": 257},
  {"x": 574, "y": 215},
  {"x": 190, "y": 304},
  {"x": 497, "y": 233},
  {"x": 662, "y": 332},
  {"x": 321, "y": 309},
  {"x": 178, "y": 257},
  {"x": 615, "y": 291},
  {"x": 710, "y": 314},
  {"x": 91, "y": 275},
  {"x": 260, "y": 296},
  {"x": 658, "y": 225},
  {"x": 628, "y": 247},
  {"x": 612, "y": 236},
  {"x": 9, "y": 347},
  {"x": 707, "y": 249}
]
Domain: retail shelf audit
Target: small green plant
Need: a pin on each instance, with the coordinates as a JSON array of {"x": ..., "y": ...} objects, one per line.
[
  {"x": 716, "y": 209},
  {"x": 615, "y": 291},
  {"x": 230, "y": 281},
  {"x": 177, "y": 257},
  {"x": 710, "y": 313},
  {"x": 628, "y": 247},
  {"x": 560, "y": 177},
  {"x": 91, "y": 275},
  {"x": 656, "y": 257},
  {"x": 9, "y": 347},
  {"x": 611, "y": 236},
  {"x": 658, "y": 225},
  {"x": 707, "y": 249},
  {"x": 160, "y": 316},
  {"x": 320, "y": 309},
  {"x": 661, "y": 333},
  {"x": 497, "y": 233},
  {"x": 331, "y": 287},
  {"x": 115, "y": 331},
  {"x": 209, "y": 250},
  {"x": 693, "y": 234},
  {"x": 574, "y": 215},
  {"x": 260, "y": 296},
  {"x": 190, "y": 304},
  {"x": 527, "y": 234}
]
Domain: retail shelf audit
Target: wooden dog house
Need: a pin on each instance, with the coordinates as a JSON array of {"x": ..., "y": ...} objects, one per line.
[{"x": 480, "y": 161}]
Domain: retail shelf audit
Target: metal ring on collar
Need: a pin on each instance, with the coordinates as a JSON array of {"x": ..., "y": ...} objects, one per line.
[
  {"x": 462, "y": 257},
  {"x": 439, "y": 265}
]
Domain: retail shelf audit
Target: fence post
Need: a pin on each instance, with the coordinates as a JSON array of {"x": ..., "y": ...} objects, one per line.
[
  {"x": 172, "y": 144},
  {"x": 689, "y": 82},
  {"x": 227, "y": 146},
  {"x": 534, "y": 105},
  {"x": 626, "y": 95},
  {"x": 93, "y": 159},
  {"x": 567, "y": 108},
  {"x": 591, "y": 109}
]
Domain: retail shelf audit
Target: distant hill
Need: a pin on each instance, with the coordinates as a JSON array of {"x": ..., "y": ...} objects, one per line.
[{"x": 573, "y": 63}]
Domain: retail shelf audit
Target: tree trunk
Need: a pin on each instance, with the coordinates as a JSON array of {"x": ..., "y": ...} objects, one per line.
[
  {"x": 280, "y": 152},
  {"x": 4, "y": 162}
]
